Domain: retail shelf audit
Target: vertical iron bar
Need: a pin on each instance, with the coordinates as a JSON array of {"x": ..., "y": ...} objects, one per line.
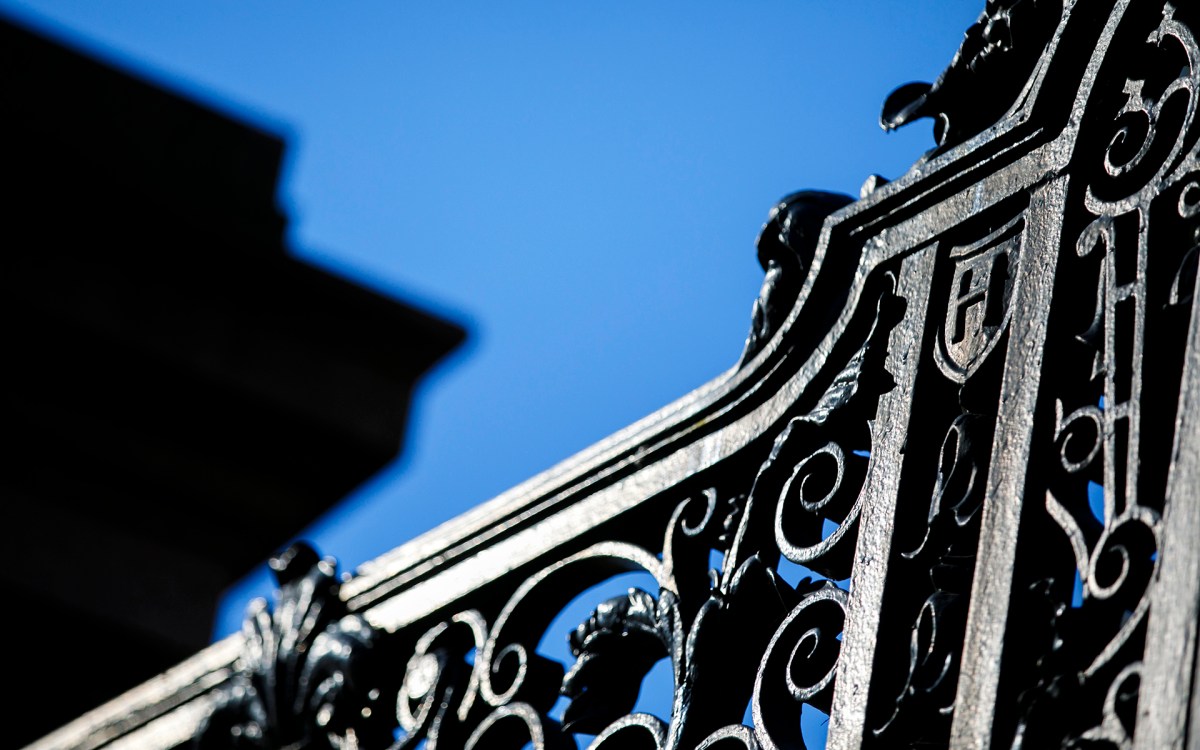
[
  {"x": 1175, "y": 596},
  {"x": 890, "y": 429},
  {"x": 987, "y": 618}
]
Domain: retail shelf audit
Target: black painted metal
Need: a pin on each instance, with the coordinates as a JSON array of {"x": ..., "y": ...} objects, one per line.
[{"x": 967, "y": 406}]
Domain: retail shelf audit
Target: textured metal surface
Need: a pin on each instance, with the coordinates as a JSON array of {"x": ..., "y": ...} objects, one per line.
[{"x": 966, "y": 413}]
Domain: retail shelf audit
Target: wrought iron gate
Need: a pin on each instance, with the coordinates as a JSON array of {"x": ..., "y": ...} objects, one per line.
[{"x": 967, "y": 409}]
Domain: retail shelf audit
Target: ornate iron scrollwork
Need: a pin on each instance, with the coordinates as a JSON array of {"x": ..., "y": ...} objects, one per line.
[
  {"x": 944, "y": 499},
  {"x": 741, "y": 631}
]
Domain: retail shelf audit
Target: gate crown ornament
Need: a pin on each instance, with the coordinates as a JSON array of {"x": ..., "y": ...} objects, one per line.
[{"x": 966, "y": 414}]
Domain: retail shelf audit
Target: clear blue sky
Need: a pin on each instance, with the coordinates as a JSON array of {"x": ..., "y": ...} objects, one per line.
[{"x": 578, "y": 183}]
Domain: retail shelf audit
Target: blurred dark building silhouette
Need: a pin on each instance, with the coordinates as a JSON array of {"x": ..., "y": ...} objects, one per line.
[{"x": 180, "y": 396}]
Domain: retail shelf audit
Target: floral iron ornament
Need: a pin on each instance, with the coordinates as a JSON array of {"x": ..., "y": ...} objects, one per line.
[
  {"x": 307, "y": 678},
  {"x": 987, "y": 75}
]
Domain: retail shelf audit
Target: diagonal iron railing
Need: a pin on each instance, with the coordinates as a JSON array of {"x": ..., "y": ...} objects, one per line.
[{"x": 966, "y": 414}]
